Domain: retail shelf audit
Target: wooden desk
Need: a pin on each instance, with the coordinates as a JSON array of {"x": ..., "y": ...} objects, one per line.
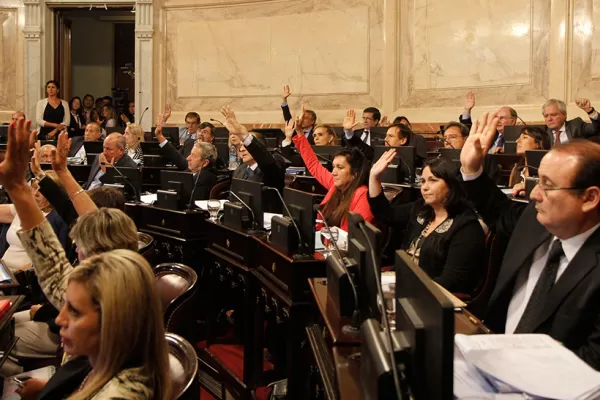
[
  {"x": 340, "y": 371},
  {"x": 7, "y": 338}
]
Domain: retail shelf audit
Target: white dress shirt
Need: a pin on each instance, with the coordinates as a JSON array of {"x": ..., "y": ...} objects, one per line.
[
  {"x": 563, "y": 135},
  {"x": 365, "y": 136}
]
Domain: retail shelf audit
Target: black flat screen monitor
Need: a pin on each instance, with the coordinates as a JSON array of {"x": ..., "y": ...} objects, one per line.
[
  {"x": 3, "y": 133},
  {"x": 369, "y": 274},
  {"x": 92, "y": 149},
  {"x": 402, "y": 168},
  {"x": 252, "y": 194},
  {"x": 425, "y": 320},
  {"x": 326, "y": 152},
  {"x": 150, "y": 148},
  {"x": 534, "y": 159},
  {"x": 171, "y": 133},
  {"x": 131, "y": 175},
  {"x": 510, "y": 147},
  {"x": 512, "y": 133},
  {"x": 450, "y": 154},
  {"x": 301, "y": 206},
  {"x": 221, "y": 132},
  {"x": 74, "y": 132},
  {"x": 273, "y": 136},
  {"x": 182, "y": 182},
  {"x": 222, "y": 151},
  {"x": 112, "y": 129}
]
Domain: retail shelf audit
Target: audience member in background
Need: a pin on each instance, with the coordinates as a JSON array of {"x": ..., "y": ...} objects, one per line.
[
  {"x": 109, "y": 116},
  {"x": 259, "y": 165},
  {"x": 17, "y": 115},
  {"x": 88, "y": 105},
  {"x": 507, "y": 116},
  {"x": 99, "y": 105},
  {"x": 77, "y": 118},
  {"x": 345, "y": 186},
  {"x": 371, "y": 117},
  {"x": 531, "y": 138},
  {"x": 107, "y": 101},
  {"x": 92, "y": 133},
  {"x": 134, "y": 135},
  {"x": 128, "y": 116},
  {"x": 309, "y": 117},
  {"x": 52, "y": 112},
  {"x": 15, "y": 257},
  {"x": 562, "y": 131},
  {"x": 441, "y": 231},
  {"x": 402, "y": 120},
  {"x": 189, "y": 132},
  {"x": 202, "y": 159},
  {"x": 113, "y": 154},
  {"x": 548, "y": 281},
  {"x": 455, "y": 136}
]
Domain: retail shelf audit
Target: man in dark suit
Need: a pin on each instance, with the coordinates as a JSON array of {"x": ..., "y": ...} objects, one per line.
[
  {"x": 371, "y": 117},
  {"x": 507, "y": 116},
  {"x": 200, "y": 160},
  {"x": 206, "y": 133},
  {"x": 309, "y": 117},
  {"x": 113, "y": 154},
  {"x": 549, "y": 281},
  {"x": 92, "y": 134},
  {"x": 562, "y": 131}
]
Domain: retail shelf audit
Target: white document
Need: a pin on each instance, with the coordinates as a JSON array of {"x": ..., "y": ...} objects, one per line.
[
  {"x": 203, "y": 204},
  {"x": 267, "y": 217},
  {"x": 148, "y": 198}
]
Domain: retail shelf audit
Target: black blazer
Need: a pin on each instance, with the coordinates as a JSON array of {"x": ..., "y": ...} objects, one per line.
[
  {"x": 67, "y": 379},
  {"x": 287, "y": 115},
  {"x": 125, "y": 161},
  {"x": 578, "y": 128},
  {"x": 420, "y": 144},
  {"x": 76, "y": 144},
  {"x": 572, "y": 314},
  {"x": 176, "y": 156},
  {"x": 453, "y": 256},
  {"x": 270, "y": 170}
]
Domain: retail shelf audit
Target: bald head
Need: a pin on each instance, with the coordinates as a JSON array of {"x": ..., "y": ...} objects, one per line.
[
  {"x": 114, "y": 147},
  {"x": 45, "y": 155},
  {"x": 507, "y": 116}
]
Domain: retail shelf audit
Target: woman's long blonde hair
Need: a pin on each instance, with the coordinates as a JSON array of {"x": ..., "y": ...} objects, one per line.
[
  {"x": 138, "y": 131},
  {"x": 122, "y": 286}
]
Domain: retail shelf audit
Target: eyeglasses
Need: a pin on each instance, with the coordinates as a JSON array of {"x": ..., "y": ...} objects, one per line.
[{"x": 547, "y": 189}]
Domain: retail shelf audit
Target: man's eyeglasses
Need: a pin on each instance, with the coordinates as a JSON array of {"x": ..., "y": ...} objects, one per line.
[{"x": 551, "y": 189}]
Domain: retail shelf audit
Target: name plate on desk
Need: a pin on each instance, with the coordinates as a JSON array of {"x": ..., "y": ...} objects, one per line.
[
  {"x": 180, "y": 224},
  {"x": 235, "y": 216}
]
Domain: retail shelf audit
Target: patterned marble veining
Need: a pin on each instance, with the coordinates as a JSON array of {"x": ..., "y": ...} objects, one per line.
[{"x": 8, "y": 56}]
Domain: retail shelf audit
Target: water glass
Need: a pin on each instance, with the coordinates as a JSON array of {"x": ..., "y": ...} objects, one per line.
[{"x": 214, "y": 206}]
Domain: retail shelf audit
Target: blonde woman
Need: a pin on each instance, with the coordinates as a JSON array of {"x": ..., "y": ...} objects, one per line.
[
  {"x": 134, "y": 135},
  {"x": 110, "y": 319}
]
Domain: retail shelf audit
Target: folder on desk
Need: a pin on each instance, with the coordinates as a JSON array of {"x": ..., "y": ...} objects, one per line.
[{"x": 534, "y": 365}]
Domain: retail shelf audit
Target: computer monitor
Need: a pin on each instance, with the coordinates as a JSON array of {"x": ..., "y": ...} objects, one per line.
[
  {"x": 150, "y": 148},
  {"x": 180, "y": 185},
  {"x": 3, "y": 133},
  {"x": 534, "y": 159},
  {"x": 74, "y": 132},
  {"x": 273, "y": 136},
  {"x": 222, "y": 151},
  {"x": 450, "y": 154},
  {"x": 221, "y": 132},
  {"x": 510, "y": 147},
  {"x": 92, "y": 149},
  {"x": 402, "y": 168},
  {"x": 301, "y": 205},
  {"x": 512, "y": 133},
  {"x": 425, "y": 321},
  {"x": 171, "y": 133},
  {"x": 326, "y": 152},
  {"x": 369, "y": 274},
  {"x": 252, "y": 194},
  {"x": 129, "y": 178},
  {"x": 118, "y": 129}
]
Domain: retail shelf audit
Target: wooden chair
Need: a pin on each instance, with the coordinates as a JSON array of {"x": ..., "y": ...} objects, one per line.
[{"x": 183, "y": 365}]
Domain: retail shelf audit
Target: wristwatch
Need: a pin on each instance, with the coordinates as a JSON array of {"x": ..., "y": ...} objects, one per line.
[
  {"x": 40, "y": 176},
  {"x": 593, "y": 110}
]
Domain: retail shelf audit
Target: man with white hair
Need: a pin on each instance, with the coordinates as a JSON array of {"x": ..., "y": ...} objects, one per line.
[{"x": 562, "y": 131}]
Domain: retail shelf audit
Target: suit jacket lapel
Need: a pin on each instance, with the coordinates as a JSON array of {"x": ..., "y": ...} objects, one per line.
[
  {"x": 528, "y": 235},
  {"x": 585, "y": 260}
]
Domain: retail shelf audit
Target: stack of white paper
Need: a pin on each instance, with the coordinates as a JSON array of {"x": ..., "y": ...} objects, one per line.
[{"x": 531, "y": 364}]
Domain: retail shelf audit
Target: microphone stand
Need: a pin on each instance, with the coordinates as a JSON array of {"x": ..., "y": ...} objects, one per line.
[
  {"x": 354, "y": 327},
  {"x": 290, "y": 214},
  {"x": 216, "y": 120},
  {"x": 142, "y": 117},
  {"x": 245, "y": 205},
  {"x": 135, "y": 192},
  {"x": 191, "y": 204}
]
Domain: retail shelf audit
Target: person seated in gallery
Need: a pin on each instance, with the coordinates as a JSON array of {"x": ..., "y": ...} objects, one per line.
[
  {"x": 455, "y": 136},
  {"x": 345, "y": 184},
  {"x": 441, "y": 231},
  {"x": 309, "y": 117},
  {"x": 531, "y": 138},
  {"x": 258, "y": 164},
  {"x": 402, "y": 120},
  {"x": 202, "y": 160}
]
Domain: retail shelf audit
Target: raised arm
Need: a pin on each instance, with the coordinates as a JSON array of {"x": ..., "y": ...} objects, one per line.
[
  {"x": 166, "y": 148},
  {"x": 592, "y": 129},
  {"x": 285, "y": 107},
  {"x": 37, "y": 236}
]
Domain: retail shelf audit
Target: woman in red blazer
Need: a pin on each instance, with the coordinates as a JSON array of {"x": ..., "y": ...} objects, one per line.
[{"x": 345, "y": 186}]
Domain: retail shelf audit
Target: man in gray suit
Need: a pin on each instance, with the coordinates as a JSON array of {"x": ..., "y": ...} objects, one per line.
[
  {"x": 114, "y": 154},
  {"x": 562, "y": 131}
]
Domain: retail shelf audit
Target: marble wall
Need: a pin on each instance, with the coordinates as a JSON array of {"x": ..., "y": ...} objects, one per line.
[{"x": 11, "y": 59}]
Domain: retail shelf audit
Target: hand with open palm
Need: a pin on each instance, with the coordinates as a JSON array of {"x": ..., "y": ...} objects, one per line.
[{"x": 478, "y": 143}]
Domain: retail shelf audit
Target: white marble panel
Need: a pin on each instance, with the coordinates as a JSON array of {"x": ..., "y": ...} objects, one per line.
[
  {"x": 8, "y": 59},
  {"x": 585, "y": 58}
]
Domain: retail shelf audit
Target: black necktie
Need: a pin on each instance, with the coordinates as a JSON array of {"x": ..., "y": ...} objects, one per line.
[
  {"x": 246, "y": 173},
  {"x": 539, "y": 296}
]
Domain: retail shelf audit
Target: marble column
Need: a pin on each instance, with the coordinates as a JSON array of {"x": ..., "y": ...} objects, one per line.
[
  {"x": 144, "y": 32},
  {"x": 33, "y": 52}
]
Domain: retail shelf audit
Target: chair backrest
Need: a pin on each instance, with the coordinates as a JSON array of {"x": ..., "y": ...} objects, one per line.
[
  {"x": 177, "y": 286},
  {"x": 218, "y": 191},
  {"x": 146, "y": 246},
  {"x": 479, "y": 300},
  {"x": 183, "y": 365}
]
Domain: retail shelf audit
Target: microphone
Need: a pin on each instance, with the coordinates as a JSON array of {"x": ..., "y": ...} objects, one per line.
[
  {"x": 265, "y": 188},
  {"x": 385, "y": 319},
  {"x": 216, "y": 120},
  {"x": 142, "y": 117},
  {"x": 521, "y": 119},
  {"x": 354, "y": 328},
  {"x": 244, "y": 204},
  {"x": 135, "y": 192},
  {"x": 191, "y": 202}
]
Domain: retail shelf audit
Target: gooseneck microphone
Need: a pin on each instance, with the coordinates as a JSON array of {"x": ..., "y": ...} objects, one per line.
[
  {"x": 354, "y": 327},
  {"x": 245, "y": 205},
  {"x": 265, "y": 188},
  {"x": 191, "y": 204},
  {"x": 521, "y": 119},
  {"x": 142, "y": 117},
  {"x": 216, "y": 120}
]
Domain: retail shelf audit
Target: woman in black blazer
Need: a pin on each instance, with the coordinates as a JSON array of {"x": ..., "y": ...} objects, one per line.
[{"x": 441, "y": 231}]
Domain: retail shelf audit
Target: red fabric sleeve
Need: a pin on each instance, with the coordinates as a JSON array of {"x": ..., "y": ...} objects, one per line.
[{"x": 311, "y": 161}]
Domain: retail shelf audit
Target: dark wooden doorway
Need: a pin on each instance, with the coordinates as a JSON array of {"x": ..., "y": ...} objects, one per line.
[{"x": 124, "y": 60}]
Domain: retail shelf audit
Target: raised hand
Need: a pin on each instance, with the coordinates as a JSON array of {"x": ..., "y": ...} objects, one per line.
[
  {"x": 159, "y": 127},
  {"x": 299, "y": 130},
  {"x": 384, "y": 122},
  {"x": 384, "y": 161},
  {"x": 232, "y": 124},
  {"x": 124, "y": 118},
  {"x": 584, "y": 104},
  {"x": 59, "y": 156},
  {"x": 350, "y": 120},
  {"x": 469, "y": 102},
  {"x": 36, "y": 169},
  {"x": 14, "y": 167},
  {"x": 286, "y": 93},
  {"x": 290, "y": 126},
  {"x": 478, "y": 143},
  {"x": 167, "y": 112}
]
